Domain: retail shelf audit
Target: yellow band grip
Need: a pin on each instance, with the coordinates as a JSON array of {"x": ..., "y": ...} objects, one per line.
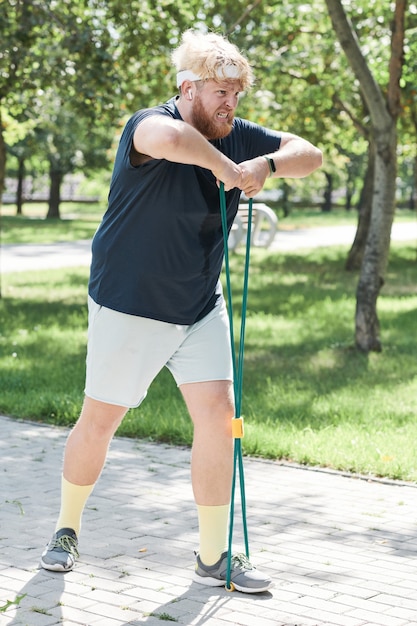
[{"x": 237, "y": 428}]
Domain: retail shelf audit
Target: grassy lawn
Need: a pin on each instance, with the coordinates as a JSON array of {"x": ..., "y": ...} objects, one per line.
[
  {"x": 308, "y": 396},
  {"x": 78, "y": 221}
]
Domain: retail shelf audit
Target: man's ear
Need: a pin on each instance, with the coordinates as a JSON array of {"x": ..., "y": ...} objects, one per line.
[{"x": 187, "y": 90}]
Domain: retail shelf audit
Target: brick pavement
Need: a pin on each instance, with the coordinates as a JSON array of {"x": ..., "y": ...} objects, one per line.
[{"x": 341, "y": 550}]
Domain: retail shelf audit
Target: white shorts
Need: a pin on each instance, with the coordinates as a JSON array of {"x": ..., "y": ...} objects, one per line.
[{"x": 126, "y": 352}]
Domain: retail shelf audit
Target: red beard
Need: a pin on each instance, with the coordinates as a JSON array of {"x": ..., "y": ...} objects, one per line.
[{"x": 206, "y": 125}]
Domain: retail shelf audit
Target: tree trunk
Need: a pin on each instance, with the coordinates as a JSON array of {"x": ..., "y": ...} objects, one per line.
[
  {"x": 375, "y": 259},
  {"x": 55, "y": 178},
  {"x": 286, "y": 198},
  {"x": 327, "y": 204},
  {"x": 2, "y": 175},
  {"x": 384, "y": 113},
  {"x": 19, "y": 192},
  {"x": 413, "y": 192},
  {"x": 355, "y": 255},
  {"x": 2, "y": 158},
  {"x": 349, "y": 194}
]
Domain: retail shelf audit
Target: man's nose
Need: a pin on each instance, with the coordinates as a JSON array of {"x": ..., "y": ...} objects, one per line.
[{"x": 231, "y": 102}]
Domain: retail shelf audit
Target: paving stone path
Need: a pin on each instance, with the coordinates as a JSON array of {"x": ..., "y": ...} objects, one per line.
[{"x": 342, "y": 550}]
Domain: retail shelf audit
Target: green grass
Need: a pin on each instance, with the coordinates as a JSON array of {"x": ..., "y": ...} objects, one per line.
[
  {"x": 308, "y": 395},
  {"x": 309, "y": 218},
  {"x": 79, "y": 221}
]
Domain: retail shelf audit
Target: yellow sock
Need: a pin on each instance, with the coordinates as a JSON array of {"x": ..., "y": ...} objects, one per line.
[
  {"x": 73, "y": 500},
  {"x": 213, "y": 527}
]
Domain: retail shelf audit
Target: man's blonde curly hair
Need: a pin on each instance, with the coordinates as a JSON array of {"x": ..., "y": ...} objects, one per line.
[{"x": 210, "y": 56}]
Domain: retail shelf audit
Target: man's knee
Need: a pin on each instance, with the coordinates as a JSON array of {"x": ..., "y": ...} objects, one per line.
[{"x": 100, "y": 418}]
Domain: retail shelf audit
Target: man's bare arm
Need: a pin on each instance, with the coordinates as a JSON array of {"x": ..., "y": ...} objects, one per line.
[
  {"x": 296, "y": 158},
  {"x": 161, "y": 137}
]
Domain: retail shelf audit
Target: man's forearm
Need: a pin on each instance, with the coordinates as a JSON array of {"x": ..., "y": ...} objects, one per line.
[
  {"x": 177, "y": 141},
  {"x": 296, "y": 158}
]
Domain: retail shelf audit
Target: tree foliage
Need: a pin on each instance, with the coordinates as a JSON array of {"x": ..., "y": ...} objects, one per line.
[
  {"x": 60, "y": 47},
  {"x": 384, "y": 109},
  {"x": 330, "y": 71}
]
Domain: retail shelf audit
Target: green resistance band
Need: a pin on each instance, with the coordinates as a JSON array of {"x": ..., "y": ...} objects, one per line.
[{"x": 237, "y": 375}]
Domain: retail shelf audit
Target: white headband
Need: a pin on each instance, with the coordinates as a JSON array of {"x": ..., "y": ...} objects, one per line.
[
  {"x": 186, "y": 75},
  {"x": 226, "y": 71}
]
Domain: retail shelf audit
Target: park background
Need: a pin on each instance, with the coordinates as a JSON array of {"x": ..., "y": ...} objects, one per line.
[{"x": 330, "y": 372}]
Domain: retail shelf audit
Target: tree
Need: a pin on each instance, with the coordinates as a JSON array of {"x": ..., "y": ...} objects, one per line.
[
  {"x": 298, "y": 75},
  {"x": 357, "y": 250},
  {"x": 384, "y": 112},
  {"x": 64, "y": 45},
  {"x": 408, "y": 122},
  {"x": 22, "y": 151},
  {"x": 69, "y": 141}
]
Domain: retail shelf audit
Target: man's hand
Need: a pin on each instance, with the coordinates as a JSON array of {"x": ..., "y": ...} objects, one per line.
[
  {"x": 253, "y": 176},
  {"x": 229, "y": 173}
]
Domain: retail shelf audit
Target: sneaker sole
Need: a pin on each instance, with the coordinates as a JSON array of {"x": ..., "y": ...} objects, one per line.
[
  {"x": 57, "y": 567},
  {"x": 215, "y": 582},
  {"x": 251, "y": 590},
  {"x": 208, "y": 581}
]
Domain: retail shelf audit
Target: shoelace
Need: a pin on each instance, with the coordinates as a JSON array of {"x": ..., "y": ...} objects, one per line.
[
  {"x": 67, "y": 543},
  {"x": 241, "y": 560}
]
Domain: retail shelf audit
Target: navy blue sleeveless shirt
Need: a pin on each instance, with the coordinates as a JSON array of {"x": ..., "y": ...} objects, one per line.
[{"x": 158, "y": 251}]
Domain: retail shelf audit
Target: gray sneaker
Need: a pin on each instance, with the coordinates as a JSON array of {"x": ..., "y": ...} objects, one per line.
[
  {"x": 243, "y": 575},
  {"x": 61, "y": 552}
]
